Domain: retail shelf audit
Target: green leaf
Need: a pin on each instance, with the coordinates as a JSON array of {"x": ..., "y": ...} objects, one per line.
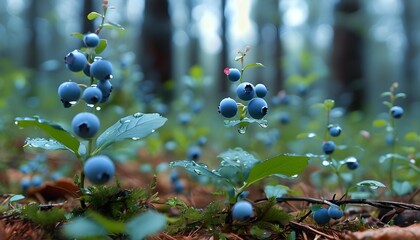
[
  {"x": 244, "y": 122},
  {"x": 251, "y": 65},
  {"x": 371, "y": 183},
  {"x": 134, "y": 127},
  {"x": 93, "y": 15},
  {"x": 46, "y": 144},
  {"x": 53, "y": 130},
  {"x": 388, "y": 104},
  {"x": 402, "y": 187},
  {"x": 329, "y": 104},
  {"x": 275, "y": 191},
  {"x": 103, "y": 43},
  {"x": 111, "y": 226},
  {"x": 306, "y": 135},
  {"x": 320, "y": 106},
  {"x": 145, "y": 224},
  {"x": 198, "y": 169},
  {"x": 82, "y": 227},
  {"x": 78, "y": 35},
  {"x": 400, "y": 95},
  {"x": 380, "y": 123},
  {"x": 288, "y": 165},
  {"x": 112, "y": 25},
  {"x": 16, "y": 197},
  {"x": 411, "y": 136}
]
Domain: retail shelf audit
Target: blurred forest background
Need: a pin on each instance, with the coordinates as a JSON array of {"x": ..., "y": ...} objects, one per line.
[{"x": 348, "y": 50}]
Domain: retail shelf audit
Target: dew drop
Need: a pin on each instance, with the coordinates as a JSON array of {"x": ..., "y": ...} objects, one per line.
[
  {"x": 311, "y": 135},
  {"x": 198, "y": 172},
  {"x": 90, "y": 105},
  {"x": 137, "y": 115},
  {"x": 263, "y": 124},
  {"x": 98, "y": 108},
  {"x": 153, "y": 130},
  {"x": 16, "y": 122},
  {"x": 325, "y": 163},
  {"x": 242, "y": 130},
  {"x": 294, "y": 176},
  {"x": 412, "y": 161},
  {"x": 73, "y": 102},
  {"x": 135, "y": 138},
  {"x": 373, "y": 187}
]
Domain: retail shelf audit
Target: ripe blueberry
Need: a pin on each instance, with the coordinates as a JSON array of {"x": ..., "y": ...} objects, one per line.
[
  {"x": 335, "y": 212},
  {"x": 178, "y": 186},
  {"x": 99, "y": 169},
  {"x": 284, "y": 118},
  {"x": 242, "y": 210},
  {"x": 328, "y": 147},
  {"x": 321, "y": 216},
  {"x": 335, "y": 131},
  {"x": 69, "y": 92},
  {"x": 257, "y": 108},
  {"x": 397, "y": 111},
  {"x": 85, "y": 124},
  {"x": 86, "y": 70},
  {"x": 228, "y": 107},
  {"x": 245, "y": 91},
  {"x": 106, "y": 88},
  {"x": 233, "y": 74},
  {"x": 75, "y": 61},
  {"x": 36, "y": 181},
  {"x": 260, "y": 90},
  {"x": 352, "y": 165},
  {"x": 92, "y": 95},
  {"x": 194, "y": 153},
  {"x": 25, "y": 183},
  {"x": 91, "y": 40},
  {"x": 101, "y": 69}
]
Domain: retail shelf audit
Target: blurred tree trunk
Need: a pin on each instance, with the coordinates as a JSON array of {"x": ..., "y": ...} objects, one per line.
[
  {"x": 32, "y": 59},
  {"x": 156, "y": 50},
  {"x": 347, "y": 57},
  {"x": 87, "y": 25},
  {"x": 223, "y": 52}
]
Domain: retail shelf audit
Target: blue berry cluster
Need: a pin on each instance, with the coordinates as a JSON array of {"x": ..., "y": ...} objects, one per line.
[
  {"x": 328, "y": 147},
  {"x": 96, "y": 68},
  {"x": 177, "y": 184},
  {"x": 323, "y": 215},
  {"x": 256, "y": 107}
]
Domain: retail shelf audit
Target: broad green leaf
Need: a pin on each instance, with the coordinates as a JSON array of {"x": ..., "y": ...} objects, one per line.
[
  {"x": 134, "y": 127},
  {"x": 251, "y": 65},
  {"x": 82, "y": 227},
  {"x": 46, "y": 144},
  {"x": 111, "y": 226},
  {"x": 93, "y": 15},
  {"x": 198, "y": 169},
  {"x": 112, "y": 25},
  {"x": 288, "y": 165},
  {"x": 78, "y": 35},
  {"x": 386, "y": 94},
  {"x": 380, "y": 123},
  {"x": 53, "y": 130},
  {"x": 237, "y": 157},
  {"x": 101, "y": 46},
  {"x": 306, "y": 135},
  {"x": 275, "y": 191},
  {"x": 371, "y": 183},
  {"x": 145, "y": 224}
]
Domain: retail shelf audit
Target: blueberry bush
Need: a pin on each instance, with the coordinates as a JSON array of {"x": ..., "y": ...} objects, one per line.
[{"x": 255, "y": 165}]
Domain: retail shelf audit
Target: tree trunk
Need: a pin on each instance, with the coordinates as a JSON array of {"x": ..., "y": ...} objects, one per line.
[{"x": 156, "y": 50}]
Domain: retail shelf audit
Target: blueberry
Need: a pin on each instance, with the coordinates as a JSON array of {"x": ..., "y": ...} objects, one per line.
[
  {"x": 242, "y": 210},
  {"x": 178, "y": 186},
  {"x": 321, "y": 216},
  {"x": 335, "y": 212},
  {"x": 101, "y": 69},
  {"x": 184, "y": 118},
  {"x": 99, "y": 169},
  {"x": 202, "y": 141},
  {"x": 25, "y": 183},
  {"x": 85, "y": 124},
  {"x": 328, "y": 147},
  {"x": 194, "y": 153},
  {"x": 92, "y": 95},
  {"x": 36, "y": 181},
  {"x": 86, "y": 70},
  {"x": 25, "y": 169},
  {"x": 245, "y": 91},
  {"x": 91, "y": 40},
  {"x": 389, "y": 139},
  {"x": 243, "y": 195},
  {"x": 352, "y": 165},
  {"x": 233, "y": 74},
  {"x": 397, "y": 111},
  {"x": 284, "y": 118},
  {"x": 106, "y": 88},
  {"x": 69, "y": 92},
  {"x": 257, "y": 108},
  {"x": 75, "y": 61},
  {"x": 174, "y": 176},
  {"x": 261, "y": 90},
  {"x": 335, "y": 131},
  {"x": 228, "y": 107}
]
